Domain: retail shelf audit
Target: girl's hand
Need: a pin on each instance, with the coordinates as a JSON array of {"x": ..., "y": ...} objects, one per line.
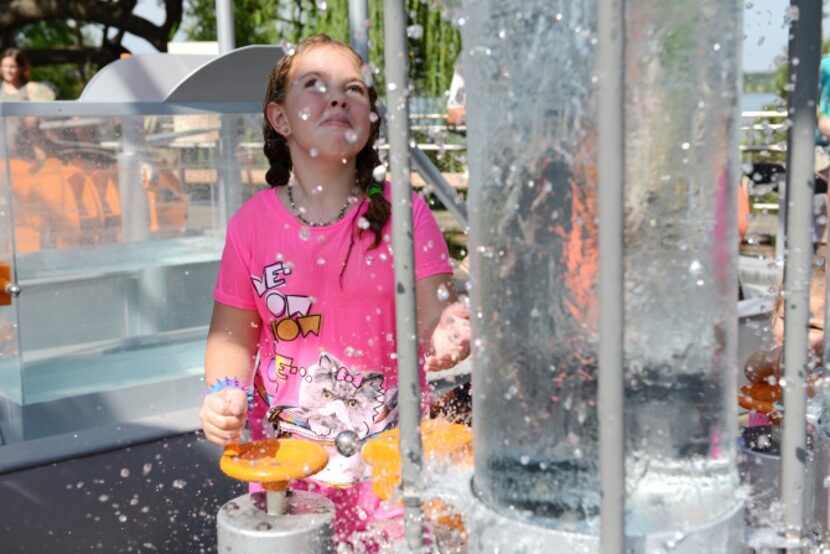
[
  {"x": 223, "y": 416},
  {"x": 451, "y": 338}
]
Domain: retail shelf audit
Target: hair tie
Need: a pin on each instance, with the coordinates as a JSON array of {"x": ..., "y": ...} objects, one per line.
[{"x": 375, "y": 190}]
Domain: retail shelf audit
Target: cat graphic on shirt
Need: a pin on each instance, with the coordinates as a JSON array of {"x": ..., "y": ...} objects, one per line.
[{"x": 331, "y": 399}]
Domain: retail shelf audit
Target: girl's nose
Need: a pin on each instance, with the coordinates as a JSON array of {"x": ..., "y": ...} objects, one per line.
[{"x": 338, "y": 101}]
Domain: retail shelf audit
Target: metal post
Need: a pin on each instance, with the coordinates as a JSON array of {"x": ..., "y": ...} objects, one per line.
[
  {"x": 804, "y": 56},
  {"x": 611, "y": 158},
  {"x": 358, "y": 28},
  {"x": 224, "y": 26},
  {"x": 409, "y": 382}
]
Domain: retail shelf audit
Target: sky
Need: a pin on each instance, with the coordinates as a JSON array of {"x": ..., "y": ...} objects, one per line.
[{"x": 765, "y": 36}]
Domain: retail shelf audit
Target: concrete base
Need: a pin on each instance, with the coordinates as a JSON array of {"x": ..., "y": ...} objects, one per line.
[{"x": 243, "y": 526}]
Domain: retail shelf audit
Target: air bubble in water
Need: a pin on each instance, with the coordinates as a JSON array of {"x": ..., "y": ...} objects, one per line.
[
  {"x": 363, "y": 223},
  {"x": 379, "y": 173},
  {"x": 125, "y": 473},
  {"x": 351, "y": 137},
  {"x": 304, "y": 233},
  {"x": 179, "y": 484}
]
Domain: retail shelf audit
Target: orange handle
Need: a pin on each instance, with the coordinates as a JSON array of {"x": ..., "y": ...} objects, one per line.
[{"x": 273, "y": 462}]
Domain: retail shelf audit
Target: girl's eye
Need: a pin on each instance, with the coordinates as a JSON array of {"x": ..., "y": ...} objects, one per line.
[
  {"x": 358, "y": 89},
  {"x": 311, "y": 82}
]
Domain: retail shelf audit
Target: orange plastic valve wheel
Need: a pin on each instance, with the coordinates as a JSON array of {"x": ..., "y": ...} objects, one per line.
[
  {"x": 273, "y": 462},
  {"x": 442, "y": 441},
  {"x": 760, "y": 397}
]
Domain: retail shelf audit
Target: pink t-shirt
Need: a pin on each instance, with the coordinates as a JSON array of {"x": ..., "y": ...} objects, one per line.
[{"x": 327, "y": 343}]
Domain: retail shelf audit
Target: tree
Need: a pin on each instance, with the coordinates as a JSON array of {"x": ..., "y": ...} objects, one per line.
[
  {"x": 434, "y": 42},
  {"x": 66, "y": 42}
]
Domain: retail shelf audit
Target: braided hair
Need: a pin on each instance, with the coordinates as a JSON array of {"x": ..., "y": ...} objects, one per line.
[{"x": 279, "y": 156}]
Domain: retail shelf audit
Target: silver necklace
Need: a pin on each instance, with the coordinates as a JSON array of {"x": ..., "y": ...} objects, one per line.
[{"x": 301, "y": 217}]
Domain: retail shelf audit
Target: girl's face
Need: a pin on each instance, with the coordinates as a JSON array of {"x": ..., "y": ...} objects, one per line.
[
  {"x": 9, "y": 70},
  {"x": 326, "y": 109}
]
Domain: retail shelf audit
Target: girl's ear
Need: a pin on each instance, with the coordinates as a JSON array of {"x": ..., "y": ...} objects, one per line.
[{"x": 276, "y": 118}]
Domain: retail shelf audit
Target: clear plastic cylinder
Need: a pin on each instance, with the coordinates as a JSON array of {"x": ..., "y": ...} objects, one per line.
[
  {"x": 531, "y": 91},
  {"x": 682, "y": 67},
  {"x": 532, "y": 152}
]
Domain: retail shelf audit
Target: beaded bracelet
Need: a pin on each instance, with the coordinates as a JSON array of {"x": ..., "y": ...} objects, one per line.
[{"x": 232, "y": 383}]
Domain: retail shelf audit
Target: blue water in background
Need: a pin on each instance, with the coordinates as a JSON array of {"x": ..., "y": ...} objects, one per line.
[{"x": 756, "y": 101}]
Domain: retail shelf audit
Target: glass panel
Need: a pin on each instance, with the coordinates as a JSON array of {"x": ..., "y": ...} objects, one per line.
[
  {"x": 120, "y": 223},
  {"x": 10, "y": 377}
]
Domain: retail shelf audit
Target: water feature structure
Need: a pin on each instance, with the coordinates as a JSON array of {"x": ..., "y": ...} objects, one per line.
[{"x": 534, "y": 81}]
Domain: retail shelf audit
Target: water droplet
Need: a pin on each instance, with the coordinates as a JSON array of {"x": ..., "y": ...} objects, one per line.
[
  {"x": 379, "y": 173},
  {"x": 524, "y": 460},
  {"x": 179, "y": 484},
  {"x": 486, "y": 251},
  {"x": 685, "y": 146},
  {"x": 391, "y": 87},
  {"x": 317, "y": 190},
  {"x": 304, "y": 233},
  {"x": 321, "y": 261},
  {"x": 103, "y": 498},
  {"x": 716, "y": 47},
  {"x": 313, "y": 152},
  {"x": 363, "y": 223},
  {"x": 125, "y": 472},
  {"x": 443, "y": 293},
  {"x": 322, "y": 5},
  {"x": 122, "y": 518},
  {"x": 351, "y": 137},
  {"x": 415, "y": 32},
  {"x": 305, "y": 113}
]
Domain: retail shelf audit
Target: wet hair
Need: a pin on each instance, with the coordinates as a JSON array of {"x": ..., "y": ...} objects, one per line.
[
  {"x": 279, "y": 156},
  {"x": 20, "y": 58}
]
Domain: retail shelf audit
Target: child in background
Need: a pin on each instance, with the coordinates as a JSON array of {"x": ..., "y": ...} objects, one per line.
[
  {"x": 304, "y": 317},
  {"x": 765, "y": 366}
]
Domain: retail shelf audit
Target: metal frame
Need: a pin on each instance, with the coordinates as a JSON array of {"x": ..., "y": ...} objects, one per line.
[
  {"x": 611, "y": 167},
  {"x": 804, "y": 58}
]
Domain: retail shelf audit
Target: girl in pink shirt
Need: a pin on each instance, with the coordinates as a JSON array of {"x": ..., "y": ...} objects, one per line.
[{"x": 305, "y": 299}]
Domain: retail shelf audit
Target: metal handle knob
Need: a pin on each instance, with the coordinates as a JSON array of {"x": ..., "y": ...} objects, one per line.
[{"x": 12, "y": 289}]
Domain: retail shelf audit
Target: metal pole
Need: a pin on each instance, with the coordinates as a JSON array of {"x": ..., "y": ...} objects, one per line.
[
  {"x": 409, "y": 382},
  {"x": 804, "y": 56},
  {"x": 611, "y": 158},
  {"x": 224, "y": 26},
  {"x": 441, "y": 187},
  {"x": 359, "y": 28}
]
